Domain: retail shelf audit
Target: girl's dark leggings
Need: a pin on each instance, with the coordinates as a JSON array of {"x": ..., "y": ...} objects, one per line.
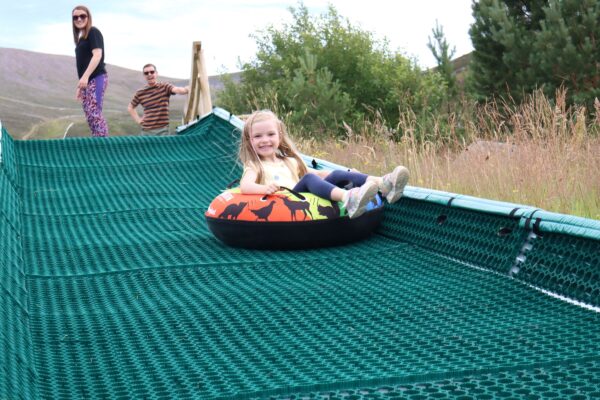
[{"x": 322, "y": 187}]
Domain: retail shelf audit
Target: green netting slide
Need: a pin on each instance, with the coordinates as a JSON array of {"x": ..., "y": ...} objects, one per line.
[{"x": 112, "y": 287}]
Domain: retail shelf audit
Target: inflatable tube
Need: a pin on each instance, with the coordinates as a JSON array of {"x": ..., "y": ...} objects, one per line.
[{"x": 287, "y": 220}]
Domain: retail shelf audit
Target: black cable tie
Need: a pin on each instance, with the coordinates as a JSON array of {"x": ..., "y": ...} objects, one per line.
[
  {"x": 513, "y": 212},
  {"x": 233, "y": 182},
  {"x": 295, "y": 193},
  {"x": 450, "y": 201},
  {"x": 314, "y": 163},
  {"x": 536, "y": 227},
  {"x": 528, "y": 220}
]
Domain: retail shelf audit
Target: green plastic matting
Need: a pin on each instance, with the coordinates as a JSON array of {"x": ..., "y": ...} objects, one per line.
[{"x": 112, "y": 287}]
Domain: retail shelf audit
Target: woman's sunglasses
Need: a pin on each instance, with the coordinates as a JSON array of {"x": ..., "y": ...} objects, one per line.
[{"x": 81, "y": 17}]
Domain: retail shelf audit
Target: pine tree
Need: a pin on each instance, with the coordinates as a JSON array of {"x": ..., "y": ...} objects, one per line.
[
  {"x": 317, "y": 99},
  {"x": 502, "y": 36},
  {"x": 567, "y": 51},
  {"x": 443, "y": 55},
  {"x": 524, "y": 45}
]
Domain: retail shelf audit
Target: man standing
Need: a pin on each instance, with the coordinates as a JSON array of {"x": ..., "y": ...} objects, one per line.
[{"x": 154, "y": 98}]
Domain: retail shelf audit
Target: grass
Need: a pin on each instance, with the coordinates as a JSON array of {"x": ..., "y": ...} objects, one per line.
[
  {"x": 540, "y": 153},
  {"x": 119, "y": 124}
]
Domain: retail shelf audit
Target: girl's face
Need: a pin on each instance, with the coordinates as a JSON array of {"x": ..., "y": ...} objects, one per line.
[
  {"x": 264, "y": 138},
  {"x": 79, "y": 19}
]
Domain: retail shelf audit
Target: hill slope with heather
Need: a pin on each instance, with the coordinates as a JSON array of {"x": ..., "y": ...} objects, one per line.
[{"x": 37, "y": 96}]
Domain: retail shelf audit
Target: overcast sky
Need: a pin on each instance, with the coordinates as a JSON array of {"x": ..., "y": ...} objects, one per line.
[{"x": 162, "y": 31}]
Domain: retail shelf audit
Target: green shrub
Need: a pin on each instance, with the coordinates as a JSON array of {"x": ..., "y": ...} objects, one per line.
[{"x": 325, "y": 74}]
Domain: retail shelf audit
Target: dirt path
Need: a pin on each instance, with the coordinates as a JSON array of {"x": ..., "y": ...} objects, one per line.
[{"x": 34, "y": 129}]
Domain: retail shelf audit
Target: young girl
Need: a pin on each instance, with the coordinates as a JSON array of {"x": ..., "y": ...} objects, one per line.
[
  {"x": 271, "y": 161},
  {"x": 89, "y": 55}
]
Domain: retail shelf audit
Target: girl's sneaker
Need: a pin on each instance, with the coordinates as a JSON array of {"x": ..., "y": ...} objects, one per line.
[
  {"x": 392, "y": 184},
  {"x": 358, "y": 198}
]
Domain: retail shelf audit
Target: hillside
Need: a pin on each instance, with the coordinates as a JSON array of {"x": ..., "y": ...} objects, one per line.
[{"x": 37, "y": 96}]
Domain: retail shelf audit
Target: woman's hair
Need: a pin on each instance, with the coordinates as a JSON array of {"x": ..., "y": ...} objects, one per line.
[
  {"x": 88, "y": 25},
  {"x": 248, "y": 155}
]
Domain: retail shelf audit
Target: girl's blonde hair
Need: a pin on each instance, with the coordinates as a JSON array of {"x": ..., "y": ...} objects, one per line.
[
  {"x": 88, "y": 25},
  {"x": 286, "y": 149}
]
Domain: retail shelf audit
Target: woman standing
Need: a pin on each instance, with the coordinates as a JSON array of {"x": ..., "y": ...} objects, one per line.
[{"x": 89, "y": 52}]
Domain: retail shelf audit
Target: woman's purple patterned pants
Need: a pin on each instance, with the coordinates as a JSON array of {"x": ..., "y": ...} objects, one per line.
[{"x": 93, "y": 97}]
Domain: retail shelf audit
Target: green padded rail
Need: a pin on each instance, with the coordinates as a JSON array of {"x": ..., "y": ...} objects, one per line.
[
  {"x": 17, "y": 367},
  {"x": 112, "y": 287}
]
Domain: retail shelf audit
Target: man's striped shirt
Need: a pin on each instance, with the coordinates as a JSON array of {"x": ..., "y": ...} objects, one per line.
[{"x": 155, "y": 100}]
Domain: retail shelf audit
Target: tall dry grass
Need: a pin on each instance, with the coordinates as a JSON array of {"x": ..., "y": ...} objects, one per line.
[{"x": 540, "y": 153}]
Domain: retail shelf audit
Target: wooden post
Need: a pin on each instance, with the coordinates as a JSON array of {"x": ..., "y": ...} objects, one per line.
[{"x": 199, "y": 102}]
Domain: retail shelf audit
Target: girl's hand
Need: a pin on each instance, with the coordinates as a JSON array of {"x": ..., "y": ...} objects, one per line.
[
  {"x": 271, "y": 188},
  {"x": 83, "y": 82},
  {"x": 78, "y": 95}
]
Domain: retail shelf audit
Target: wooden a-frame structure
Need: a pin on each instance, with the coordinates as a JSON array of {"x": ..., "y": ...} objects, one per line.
[{"x": 199, "y": 102}]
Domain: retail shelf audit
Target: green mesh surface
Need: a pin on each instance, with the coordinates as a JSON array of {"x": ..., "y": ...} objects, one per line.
[
  {"x": 576, "y": 381},
  {"x": 565, "y": 265},
  {"x": 111, "y": 286},
  {"x": 486, "y": 240}
]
